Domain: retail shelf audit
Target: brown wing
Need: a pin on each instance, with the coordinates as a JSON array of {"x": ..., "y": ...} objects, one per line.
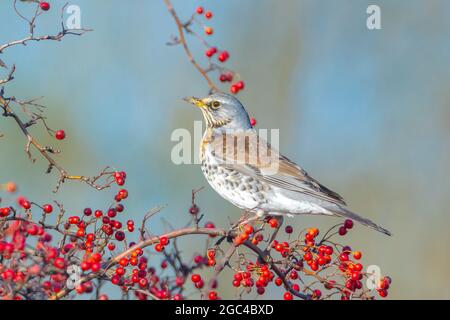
[{"x": 251, "y": 155}]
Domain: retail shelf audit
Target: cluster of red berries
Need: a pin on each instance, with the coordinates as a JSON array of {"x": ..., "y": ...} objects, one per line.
[
  {"x": 94, "y": 231},
  {"x": 316, "y": 256},
  {"x": 199, "y": 283},
  {"x": 222, "y": 56},
  {"x": 120, "y": 177},
  {"x": 348, "y": 224},
  {"x": 163, "y": 241},
  {"x": 281, "y": 247},
  {"x": 211, "y": 254},
  {"x": 383, "y": 286},
  {"x": 208, "y": 15},
  {"x": 245, "y": 234},
  {"x": 261, "y": 272}
]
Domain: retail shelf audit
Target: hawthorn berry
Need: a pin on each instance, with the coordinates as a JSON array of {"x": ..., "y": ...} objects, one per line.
[
  {"x": 196, "y": 278},
  {"x": 288, "y": 296},
  {"x": 199, "y": 10},
  {"x": 209, "y": 31},
  {"x": 248, "y": 228},
  {"x": 357, "y": 255},
  {"x": 119, "y": 235},
  {"x": 240, "y": 85},
  {"x": 342, "y": 231},
  {"x": 208, "y": 14},
  {"x": 47, "y": 208},
  {"x": 24, "y": 203},
  {"x": 11, "y": 187},
  {"x": 212, "y": 295},
  {"x": 273, "y": 223},
  {"x": 210, "y": 225},
  {"x": 194, "y": 209},
  {"x": 44, "y": 5},
  {"x": 164, "y": 241},
  {"x": 348, "y": 224},
  {"x": 210, "y": 52},
  {"x": 60, "y": 135},
  {"x": 288, "y": 229},
  {"x": 223, "y": 56},
  {"x": 4, "y": 212}
]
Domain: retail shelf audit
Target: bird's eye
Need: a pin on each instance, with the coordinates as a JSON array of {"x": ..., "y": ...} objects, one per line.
[{"x": 215, "y": 105}]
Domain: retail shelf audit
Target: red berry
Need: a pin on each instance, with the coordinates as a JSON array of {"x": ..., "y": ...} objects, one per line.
[
  {"x": 348, "y": 224},
  {"x": 59, "y": 263},
  {"x": 123, "y": 194},
  {"x": 4, "y": 212},
  {"x": 47, "y": 208},
  {"x": 158, "y": 247},
  {"x": 200, "y": 284},
  {"x": 223, "y": 56},
  {"x": 382, "y": 293},
  {"x": 98, "y": 213},
  {"x": 248, "y": 229},
  {"x": 278, "y": 281},
  {"x": 208, "y": 14},
  {"x": 273, "y": 223},
  {"x": 164, "y": 241},
  {"x": 342, "y": 231},
  {"x": 240, "y": 85},
  {"x": 288, "y": 229},
  {"x": 210, "y": 52},
  {"x": 317, "y": 293},
  {"x": 87, "y": 212},
  {"x": 196, "y": 278},
  {"x": 60, "y": 134},
  {"x": 44, "y": 5},
  {"x": 194, "y": 209},
  {"x": 120, "y": 236},
  {"x": 209, "y": 31},
  {"x": 357, "y": 255},
  {"x": 234, "y": 89},
  {"x": 209, "y": 225},
  {"x": 288, "y": 296},
  {"x": 212, "y": 295},
  {"x": 253, "y": 122},
  {"x": 24, "y": 203},
  {"x": 199, "y": 10}
]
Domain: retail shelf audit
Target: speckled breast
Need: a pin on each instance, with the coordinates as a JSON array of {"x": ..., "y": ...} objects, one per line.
[{"x": 244, "y": 192}]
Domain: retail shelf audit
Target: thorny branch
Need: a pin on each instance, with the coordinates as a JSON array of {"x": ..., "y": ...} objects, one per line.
[{"x": 6, "y": 105}]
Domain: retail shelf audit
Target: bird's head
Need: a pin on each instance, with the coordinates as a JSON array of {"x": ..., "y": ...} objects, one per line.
[{"x": 222, "y": 111}]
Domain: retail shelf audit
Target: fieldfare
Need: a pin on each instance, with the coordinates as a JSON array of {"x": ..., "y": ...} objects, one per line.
[{"x": 245, "y": 170}]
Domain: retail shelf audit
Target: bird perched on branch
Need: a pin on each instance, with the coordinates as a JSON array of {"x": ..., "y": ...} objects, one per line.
[{"x": 251, "y": 174}]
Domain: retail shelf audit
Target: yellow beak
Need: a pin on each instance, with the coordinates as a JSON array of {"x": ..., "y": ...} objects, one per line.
[{"x": 195, "y": 101}]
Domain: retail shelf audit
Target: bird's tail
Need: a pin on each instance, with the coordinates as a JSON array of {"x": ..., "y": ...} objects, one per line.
[{"x": 345, "y": 213}]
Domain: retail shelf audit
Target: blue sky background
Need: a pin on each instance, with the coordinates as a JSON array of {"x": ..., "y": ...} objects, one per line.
[{"x": 365, "y": 112}]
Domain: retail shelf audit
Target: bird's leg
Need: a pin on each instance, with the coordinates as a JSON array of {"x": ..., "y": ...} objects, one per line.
[{"x": 275, "y": 233}]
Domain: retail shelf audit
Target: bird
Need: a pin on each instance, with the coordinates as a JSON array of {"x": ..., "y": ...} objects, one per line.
[{"x": 243, "y": 168}]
